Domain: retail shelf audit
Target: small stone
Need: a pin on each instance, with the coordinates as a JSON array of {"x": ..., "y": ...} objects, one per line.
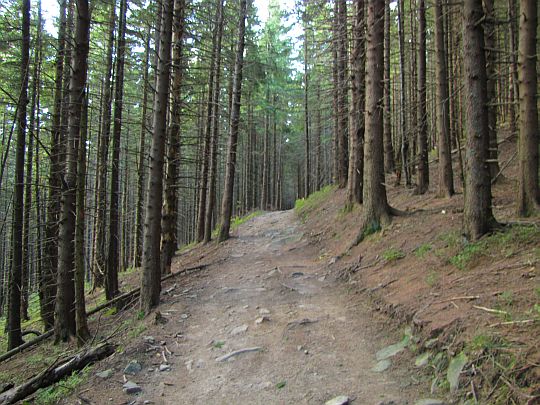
[
  {"x": 306, "y": 351},
  {"x": 164, "y": 367},
  {"x": 430, "y": 401},
  {"x": 184, "y": 316},
  {"x": 299, "y": 348},
  {"x": 322, "y": 278},
  {"x": 133, "y": 368},
  {"x": 264, "y": 311},
  {"x": 246, "y": 306},
  {"x": 332, "y": 260},
  {"x": 151, "y": 370},
  {"x": 297, "y": 274},
  {"x": 131, "y": 388},
  {"x": 239, "y": 329},
  {"x": 341, "y": 400},
  {"x": 382, "y": 365},
  {"x": 189, "y": 365},
  {"x": 149, "y": 339},
  {"x": 105, "y": 374},
  {"x": 262, "y": 319}
]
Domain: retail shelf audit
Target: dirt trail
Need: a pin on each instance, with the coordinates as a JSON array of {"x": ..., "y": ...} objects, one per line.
[{"x": 317, "y": 339}]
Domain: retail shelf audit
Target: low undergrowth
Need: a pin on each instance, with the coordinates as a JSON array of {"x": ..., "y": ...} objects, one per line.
[{"x": 303, "y": 207}]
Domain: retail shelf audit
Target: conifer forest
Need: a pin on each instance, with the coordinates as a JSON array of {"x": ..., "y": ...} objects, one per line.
[{"x": 133, "y": 129}]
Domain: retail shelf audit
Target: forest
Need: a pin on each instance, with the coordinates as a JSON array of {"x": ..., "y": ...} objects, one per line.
[{"x": 131, "y": 129}]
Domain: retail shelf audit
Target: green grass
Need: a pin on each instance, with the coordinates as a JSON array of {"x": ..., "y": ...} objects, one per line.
[
  {"x": 423, "y": 250},
  {"x": 432, "y": 278},
  {"x": 53, "y": 395},
  {"x": 393, "y": 254},
  {"x": 304, "y": 206},
  {"x": 237, "y": 221},
  {"x": 506, "y": 243}
]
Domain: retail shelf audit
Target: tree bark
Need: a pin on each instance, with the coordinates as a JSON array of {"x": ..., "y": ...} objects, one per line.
[
  {"x": 446, "y": 176},
  {"x": 423, "y": 168},
  {"x": 477, "y": 216},
  {"x": 113, "y": 254},
  {"x": 15, "y": 285},
  {"x": 47, "y": 283},
  {"x": 389, "y": 165},
  {"x": 377, "y": 212},
  {"x": 356, "y": 108},
  {"x": 64, "y": 325},
  {"x": 528, "y": 202},
  {"x": 100, "y": 242},
  {"x": 169, "y": 220},
  {"x": 150, "y": 281},
  {"x": 227, "y": 200}
]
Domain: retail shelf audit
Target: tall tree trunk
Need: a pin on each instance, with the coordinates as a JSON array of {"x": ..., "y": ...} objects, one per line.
[
  {"x": 406, "y": 169},
  {"x": 423, "y": 168},
  {"x": 169, "y": 220},
  {"x": 14, "y": 313},
  {"x": 82, "y": 331},
  {"x": 151, "y": 277},
  {"x": 205, "y": 164},
  {"x": 491, "y": 60},
  {"x": 141, "y": 164},
  {"x": 377, "y": 212},
  {"x": 113, "y": 255},
  {"x": 64, "y": 325},
  {"x": 389, "y": 165},
  {"x": 514, "y": 86},
  {"x": 100, "y": 244},
  {"x": 227, "y": 200},
  {"x": 528, "y": 191},
  {"x": 214, "y": 128},
  {"x": 27, "y": 267},
  {"x": 446, "y": 176},
  {"x": 47, "y": 287},
  {"x": 356, "y": 120},
  {"x": 477, "y": 216},
  {"x": 342, "y": 45},
  {"x": 307, "y": 161}
]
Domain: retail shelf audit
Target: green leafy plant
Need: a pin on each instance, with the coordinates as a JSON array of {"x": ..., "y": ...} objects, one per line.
[{"x": 281, "y": 385}]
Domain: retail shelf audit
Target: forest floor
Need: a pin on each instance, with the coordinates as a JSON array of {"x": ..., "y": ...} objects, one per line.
[
  {"x": 443, "y": 318},
  {"x": 268, "y": 289}
]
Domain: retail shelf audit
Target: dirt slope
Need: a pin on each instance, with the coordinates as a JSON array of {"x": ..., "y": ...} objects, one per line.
[{"x": 317, "y": 341}]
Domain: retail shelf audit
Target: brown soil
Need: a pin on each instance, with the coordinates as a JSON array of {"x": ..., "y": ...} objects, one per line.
[{"x": 318, "y": 342}]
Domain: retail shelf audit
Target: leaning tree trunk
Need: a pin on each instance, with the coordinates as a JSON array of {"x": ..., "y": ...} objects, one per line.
[
  {"x": 528, "y": 202},
  {"x": 169, "y": 219},
  {"x": 477, "y": 216},
  {"x": 227, "y": 201},
  {"x": 377, "y": 212},
  {"x": 64, "y": 325},
  {"x": 423, "y": 169},
  {"x": 151, "y": 276},
  {"x": 446, "y": 176},
  {"x": 14, "y": 313}
]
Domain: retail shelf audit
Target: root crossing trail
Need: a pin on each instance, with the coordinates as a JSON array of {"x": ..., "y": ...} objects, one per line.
[{"x": 267, "y": 325}]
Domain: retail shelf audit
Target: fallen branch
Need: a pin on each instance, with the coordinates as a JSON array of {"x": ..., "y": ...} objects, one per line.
[
  {"x": 467, "y": 297},
  {"x": 525, "y": 321},
  {"x": 491, "y": 310},
  {"x": 51, "y": 376},
  {"x": 126, "y": 296},
  {"x": 237, "y": 352}
]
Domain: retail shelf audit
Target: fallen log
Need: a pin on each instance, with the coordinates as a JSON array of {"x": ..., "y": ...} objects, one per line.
[
  {"x": 126, "y": 296},
  {"x": 55, "y": 374}
]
